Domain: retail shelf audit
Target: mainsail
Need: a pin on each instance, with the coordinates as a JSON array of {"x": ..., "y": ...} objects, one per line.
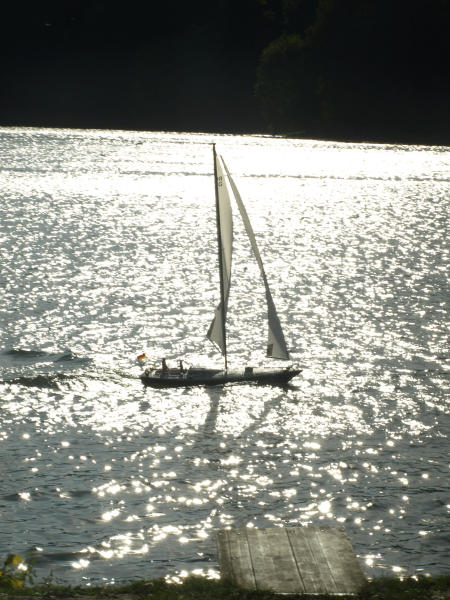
[
  {"x": 276, "y": 344},
  {"x": 217, "y": 331}
]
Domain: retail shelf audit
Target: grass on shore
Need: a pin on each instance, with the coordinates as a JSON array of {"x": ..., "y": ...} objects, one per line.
[{"x": 199, "y": 588}]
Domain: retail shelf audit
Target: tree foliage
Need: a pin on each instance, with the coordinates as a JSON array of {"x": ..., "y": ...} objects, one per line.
[
  {"x": 286, "y": 86},
  {"x": 373, "y": 69}
]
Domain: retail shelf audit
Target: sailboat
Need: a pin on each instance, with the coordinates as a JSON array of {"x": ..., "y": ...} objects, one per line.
[{"x": 276, "y": 344}]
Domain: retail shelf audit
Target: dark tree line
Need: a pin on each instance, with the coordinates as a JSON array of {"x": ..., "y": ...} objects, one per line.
[
  {"x": 348, "y": 69},
  {"x": 363, "y": 69}
]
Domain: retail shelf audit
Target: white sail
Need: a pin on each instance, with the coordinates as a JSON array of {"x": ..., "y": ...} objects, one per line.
[
  {"x": 217, "y": 332},
  {"x": 276, "y": 344},
  {"x": 276, "y": 347}
]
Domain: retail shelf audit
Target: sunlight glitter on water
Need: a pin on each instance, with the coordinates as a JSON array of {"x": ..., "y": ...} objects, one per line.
[{"x": 111, "y": 251}]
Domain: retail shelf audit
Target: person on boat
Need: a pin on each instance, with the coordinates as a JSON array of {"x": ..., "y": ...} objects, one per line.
[
  {"x": 165, "y": 369},
  {"x": 182, "y": 369}
]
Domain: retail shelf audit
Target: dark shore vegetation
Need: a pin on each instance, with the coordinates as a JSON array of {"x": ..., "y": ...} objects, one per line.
[
  {"x": 353, "y": 70},
  {"x": 198, "y": 588}
]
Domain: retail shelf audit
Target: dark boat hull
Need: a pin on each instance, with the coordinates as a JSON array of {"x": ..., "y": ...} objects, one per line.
[{"x": 199, "y": 376}]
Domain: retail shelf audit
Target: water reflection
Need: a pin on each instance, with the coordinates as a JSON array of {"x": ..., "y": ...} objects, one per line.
[{"x": 112, "y": 250}]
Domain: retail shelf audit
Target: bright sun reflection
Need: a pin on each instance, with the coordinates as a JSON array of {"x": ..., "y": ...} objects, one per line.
[{"x": 111, "y": 249}]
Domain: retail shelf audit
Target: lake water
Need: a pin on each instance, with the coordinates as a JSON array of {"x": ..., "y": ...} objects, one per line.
[{"x": 108, "y": 249}]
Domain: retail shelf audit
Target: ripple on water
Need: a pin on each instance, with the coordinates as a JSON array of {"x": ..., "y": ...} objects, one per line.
[{"x": 109, "y": 247}]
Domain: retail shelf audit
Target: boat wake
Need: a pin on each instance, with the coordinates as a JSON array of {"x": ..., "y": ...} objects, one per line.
[
  {"x": 37, "y": 368},
  {"x": 39, "y": 381}
]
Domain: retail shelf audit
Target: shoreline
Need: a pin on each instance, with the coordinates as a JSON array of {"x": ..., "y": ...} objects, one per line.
[
  {"x": 338, "y": 139},
  {"x": 200, "y": 588}
]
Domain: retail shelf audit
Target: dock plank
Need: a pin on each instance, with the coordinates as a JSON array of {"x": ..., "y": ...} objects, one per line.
[
  {"x": 325, "y": 580},
  {"x": 293, "y": 560},
  {"x": 305, "y": 558},
  {"x": 273, "y": 564},
  {"x": 234, "y": 557},
  {"x": 338, "y": 551}
]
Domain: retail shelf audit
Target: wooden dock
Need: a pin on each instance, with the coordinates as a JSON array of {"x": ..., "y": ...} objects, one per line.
[{"x": 292, "y": 560}]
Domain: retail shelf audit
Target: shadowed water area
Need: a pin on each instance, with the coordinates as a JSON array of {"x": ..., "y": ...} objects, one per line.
[{"x": 108, "y": 249}]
